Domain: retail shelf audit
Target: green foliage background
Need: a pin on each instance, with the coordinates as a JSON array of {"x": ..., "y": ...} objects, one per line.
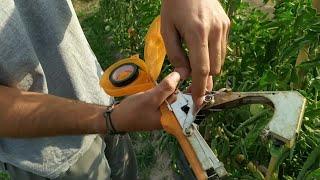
[{"x": 262, "y": 54}]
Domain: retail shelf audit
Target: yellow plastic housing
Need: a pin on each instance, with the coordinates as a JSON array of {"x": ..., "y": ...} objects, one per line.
[
  {"x": 142, "y": 83},
  {"x": 154, "y": 49},
  {"x": 149, "y": 70}
]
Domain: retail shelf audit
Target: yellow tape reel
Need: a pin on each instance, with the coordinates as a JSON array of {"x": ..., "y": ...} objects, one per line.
[{"x": 119, "y": 79}]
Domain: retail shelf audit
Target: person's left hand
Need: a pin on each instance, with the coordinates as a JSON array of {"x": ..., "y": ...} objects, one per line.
[
  {"x": 141, "y": 111},
  {"x": 204, "y": 26}
]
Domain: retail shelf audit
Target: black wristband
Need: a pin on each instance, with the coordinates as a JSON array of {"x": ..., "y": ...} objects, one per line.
[{"x": 107, "y": 116}]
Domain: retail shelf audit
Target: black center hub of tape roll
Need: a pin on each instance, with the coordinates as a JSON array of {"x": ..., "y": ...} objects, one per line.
[{"x": 132, "y": 76}]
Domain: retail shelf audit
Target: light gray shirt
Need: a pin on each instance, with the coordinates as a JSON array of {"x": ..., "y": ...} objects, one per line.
[{"x": 43, "y": 49}]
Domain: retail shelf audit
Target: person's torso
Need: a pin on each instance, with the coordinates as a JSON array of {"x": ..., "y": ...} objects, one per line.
[{"x": 43, "y": 49}]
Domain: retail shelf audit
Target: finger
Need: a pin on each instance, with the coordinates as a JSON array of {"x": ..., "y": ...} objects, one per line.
[
  {"x": 172, "y": 98},
  {"x": 215, "y": 49},
  {"x": 223, "y": 48},
  {"x": 226, "y": 27},
  {"x": 165, "y": 89},
  {"x": 199, "y": 61},
  {"x": 174, "y": 50},
  {"x": 209, "y": 84}
]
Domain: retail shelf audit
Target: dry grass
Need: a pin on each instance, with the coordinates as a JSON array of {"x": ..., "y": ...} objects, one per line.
[
  {"x": 85, "y": 7},
  {"x": 268, "y": 8}
]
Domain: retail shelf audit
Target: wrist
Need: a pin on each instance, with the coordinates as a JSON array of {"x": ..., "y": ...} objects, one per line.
[
  {"x": 116, "y": 121},
  {"x": 111, "y": 130},
  {"x": 99, "y": 123}
]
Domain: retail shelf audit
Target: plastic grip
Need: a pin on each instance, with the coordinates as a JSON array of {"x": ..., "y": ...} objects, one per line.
[{"x": 172, "y": 126}]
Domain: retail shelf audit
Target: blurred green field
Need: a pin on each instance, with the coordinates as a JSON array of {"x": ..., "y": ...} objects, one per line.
[{"x": 4, "y": 176}]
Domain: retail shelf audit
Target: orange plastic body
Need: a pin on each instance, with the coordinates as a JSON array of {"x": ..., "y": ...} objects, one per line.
[
  {"x": 142, "y": 83},
  {"x": 171, "y": 125},
  {"x": 148, "y": 74},
  {"x": 154, "y": 49}
]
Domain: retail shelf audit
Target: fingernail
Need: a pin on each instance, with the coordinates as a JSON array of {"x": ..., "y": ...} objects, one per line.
[
  {"x": 175, "y": 74},
  {"x": 200, "y": 101}
]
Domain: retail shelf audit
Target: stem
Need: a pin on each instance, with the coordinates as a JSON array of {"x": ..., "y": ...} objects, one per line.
[
  {"x": 271, "y": 167},
  {"x": 276, "y": 154},
  {"x": 250, "y": 120},
  {"x": 316, "y": 98}
]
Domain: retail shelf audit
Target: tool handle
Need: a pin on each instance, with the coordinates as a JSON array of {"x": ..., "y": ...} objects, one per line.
[{"x": 171, "y": 125}]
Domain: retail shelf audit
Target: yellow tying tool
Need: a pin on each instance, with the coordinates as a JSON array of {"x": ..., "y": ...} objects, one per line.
[{"x": 133, "y": 75}]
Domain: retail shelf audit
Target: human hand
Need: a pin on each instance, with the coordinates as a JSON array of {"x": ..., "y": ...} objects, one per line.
[
  {"x": 204, "y": 26},
  {"x": 140, "y": 112}
]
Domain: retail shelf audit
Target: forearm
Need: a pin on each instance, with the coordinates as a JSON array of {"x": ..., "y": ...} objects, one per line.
[{"x": 29, "y": 114}]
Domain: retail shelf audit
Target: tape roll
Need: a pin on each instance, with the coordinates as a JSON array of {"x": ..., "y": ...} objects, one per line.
[{"x": 124, "y": 74}]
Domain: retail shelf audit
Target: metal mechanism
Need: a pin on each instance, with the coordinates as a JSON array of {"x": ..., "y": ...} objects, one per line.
[
  {"x": 209, "y": 161},
  {"x": 288, "y": 109},
  {"x": 283, "y": 127},
  {"x": 184, "y": 111}
]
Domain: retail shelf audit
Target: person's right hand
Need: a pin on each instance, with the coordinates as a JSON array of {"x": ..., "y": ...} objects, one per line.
[
  {"x": 203, "y": 25},
  {"x": 140, "y": 112}
]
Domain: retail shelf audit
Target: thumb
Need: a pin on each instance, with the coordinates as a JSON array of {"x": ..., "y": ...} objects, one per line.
[{"x": 166, "y": 88}]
